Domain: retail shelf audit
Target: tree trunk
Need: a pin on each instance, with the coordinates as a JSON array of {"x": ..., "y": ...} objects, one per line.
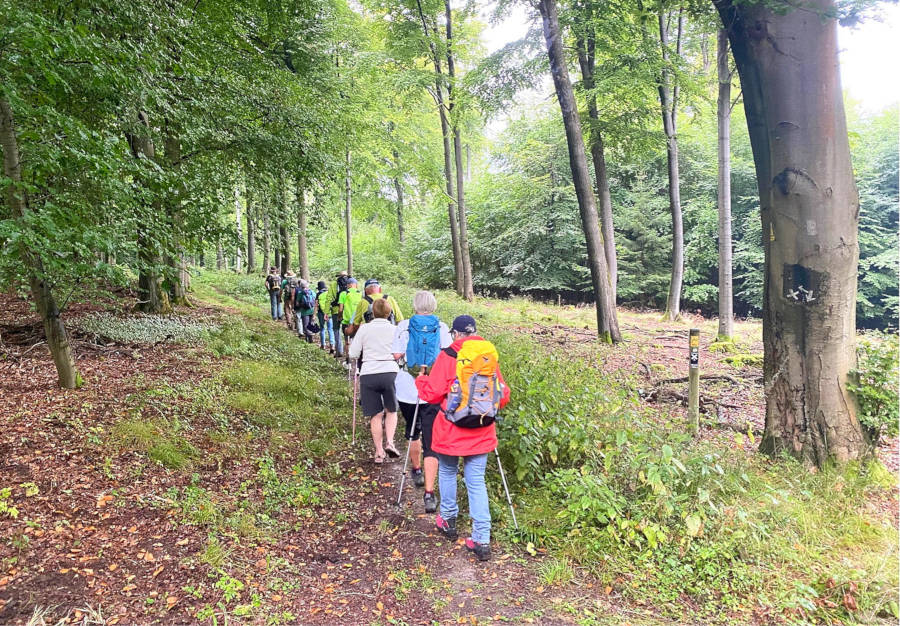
[
  {"x": 220, "y": 256},
  {"x": 448, "y": 158},
  {"x": 251, "y": 233},
  {"x": 18, "y": 204},
  {"x": 151, "y": 296},
  {"x": 283, "y": 240},
  {"x": 399, "y": 189},
  {"x": 723, "y": 113},
  {"x": 607, "y": 321},
  {"x": 238, "y": 252},
  {"x": 179, "y": 278},
  {"x": 586, "y": 60},
  {"x": 668, "y": 101},
  {"x": 302, "y": 248},
  {"x": 468, "y": 290},
  {"x": 348, "y": 214},
  {"x": 267, "y": 241},
  {"x": 788, "y": 65}
]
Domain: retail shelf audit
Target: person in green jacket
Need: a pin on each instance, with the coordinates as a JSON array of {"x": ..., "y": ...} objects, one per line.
[
  {"x": 332, "y": 298},
  {"x": 363, "y": 312},
  {"x": 349, "y": 301}
]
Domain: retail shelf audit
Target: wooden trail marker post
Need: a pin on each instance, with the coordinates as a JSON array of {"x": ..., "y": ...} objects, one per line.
[{"x": 694, "y": 380}]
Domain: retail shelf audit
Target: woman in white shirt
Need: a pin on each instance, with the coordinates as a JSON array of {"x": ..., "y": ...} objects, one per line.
[{"x": 376, "y": 380}]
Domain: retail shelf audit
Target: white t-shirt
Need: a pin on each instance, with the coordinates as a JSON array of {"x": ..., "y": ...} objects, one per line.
[
  {"x": 405, "y": 384},
  {"x": 374, "y": 341}
]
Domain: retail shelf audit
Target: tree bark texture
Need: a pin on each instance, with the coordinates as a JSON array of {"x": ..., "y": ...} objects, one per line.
[
  {"x": 238, "y": 252},
  {"x": 398, "y": 189},
  {"x": 220, "y": 256},
  {"x": 723, "y": 114},
  {"x": 788, "y": 65},
  {"x": 302, "y": 246},
  {"x": 448, "y": 158},
  {"x": 468, "y": 290},
  {"x": 348, "y": 216},
  {"x": 151, "y": 296},
  {"x": 668, "y": 101},
  {"x": 267, "y": 241},
  {"x": 179, "y": 279},
  {"x": 586, "y": 60},
  {"x": 18, "y": 204},
  {"x": 251, "y": 232},
  {"x": 607, "y": 321},
  {"x": 283, "y": 241}
]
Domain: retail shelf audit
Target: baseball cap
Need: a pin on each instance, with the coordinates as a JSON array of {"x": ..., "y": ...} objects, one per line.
[
  {"x": 464, "y": 324},
  {"x": 372, "y": 281}
]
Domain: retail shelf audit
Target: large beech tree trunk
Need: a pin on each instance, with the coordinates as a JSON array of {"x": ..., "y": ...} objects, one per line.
[
  {"x": 151, "y": 296},
  {"x": 180, "y": 279},
  {"x": 607, "y": 321},
  {"x": 723, "y": 114},
  {"x": 448, "y": 157},
  {"x": 668, "y": 102},
  {"x": 586, "y": 61},
  {"x": 283, "y": 241},
  {"x": 17, "y": 202},
  {"x": 468, "y": 290},
  {"x": 788, "y": 65},
  {"x": 348, "y": 216}
]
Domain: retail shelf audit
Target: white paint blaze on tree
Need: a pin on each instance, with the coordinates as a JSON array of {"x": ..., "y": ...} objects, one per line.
[{"x": 788, "y": 64}]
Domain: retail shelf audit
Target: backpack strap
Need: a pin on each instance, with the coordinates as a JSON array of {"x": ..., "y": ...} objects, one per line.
[{"x": 450, "y": 352}]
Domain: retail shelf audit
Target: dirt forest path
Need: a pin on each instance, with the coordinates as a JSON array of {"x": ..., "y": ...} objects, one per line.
[{"x": 133, "y": 504}]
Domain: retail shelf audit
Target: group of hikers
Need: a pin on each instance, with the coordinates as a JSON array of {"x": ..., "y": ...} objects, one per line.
[{"x": 445, "y": 381}]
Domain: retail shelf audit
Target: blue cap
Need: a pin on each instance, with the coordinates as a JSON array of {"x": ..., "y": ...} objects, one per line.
[
  {"x": 464, "y": 324},
  {"x": 372, "y": 281}
]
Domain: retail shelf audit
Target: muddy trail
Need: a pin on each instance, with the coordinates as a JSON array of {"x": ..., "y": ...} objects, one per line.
[{"x": 103, "y": 524}]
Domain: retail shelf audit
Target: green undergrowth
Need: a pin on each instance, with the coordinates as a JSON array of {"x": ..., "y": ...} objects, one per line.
[{"x": 701, "y": 532}]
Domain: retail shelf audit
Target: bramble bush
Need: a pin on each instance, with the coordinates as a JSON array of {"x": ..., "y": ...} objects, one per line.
[{"x": 875, "y": 382}]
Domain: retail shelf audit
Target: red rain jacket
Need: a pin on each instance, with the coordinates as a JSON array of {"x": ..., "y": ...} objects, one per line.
[{"x": 446, "y": 437}]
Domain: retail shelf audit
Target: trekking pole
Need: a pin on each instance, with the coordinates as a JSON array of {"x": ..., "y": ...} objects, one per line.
[
  {"x": 412, "y": 431},
  {"x": 355, "y": 387},
  {"x": 506, "y": 488}
]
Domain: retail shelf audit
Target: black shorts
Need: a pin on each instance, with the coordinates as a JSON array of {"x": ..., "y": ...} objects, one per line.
[
  {"x": 424, "y": 423},
  {"x": 376, "y": 393}
]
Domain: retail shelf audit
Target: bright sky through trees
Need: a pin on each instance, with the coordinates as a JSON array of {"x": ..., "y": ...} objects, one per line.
[{"x": 865, "y": 50}]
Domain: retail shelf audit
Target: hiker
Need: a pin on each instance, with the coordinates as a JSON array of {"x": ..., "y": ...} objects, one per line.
[
  {"x": 273, "y": 286},
  {"x": 376, "y": 380},
  {"x": 417, "y": 342},
  {"x": 288, "y": 287},
  {"x": 323, "y": 314},
  {"x": 349, "y": 299},
  {"x": 363, "y": 312},
  {"x": 334, "y": 307},
  {"x": 304, "y": 306},
  {"x": 465, "y": 438}
]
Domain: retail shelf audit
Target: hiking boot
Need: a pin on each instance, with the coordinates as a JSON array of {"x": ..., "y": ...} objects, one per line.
[
  {"x": 447, "y": 527},
  {"x": 430, "y": 502},
  {"x": 481, "y": 550},
  {"x": 418, "y": 477}
]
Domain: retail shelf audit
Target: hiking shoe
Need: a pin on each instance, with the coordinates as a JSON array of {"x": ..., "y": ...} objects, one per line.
[
  {"x": 418, "y": 477},
  {"x": 481, "y": 550},
  {"x": 447, "y": 527},
  {"x": 430, "y": 503}
]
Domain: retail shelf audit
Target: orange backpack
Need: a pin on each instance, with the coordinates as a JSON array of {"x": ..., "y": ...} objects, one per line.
[{"x": 474, "y": 397}]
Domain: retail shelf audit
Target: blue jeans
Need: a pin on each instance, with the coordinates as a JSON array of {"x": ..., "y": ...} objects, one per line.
[
  {"x": 338, "y": 336},
  {"x": 479, "y": 510},
  {"x": 276, "y": 305},
  {"x": 326, "y": 331}
]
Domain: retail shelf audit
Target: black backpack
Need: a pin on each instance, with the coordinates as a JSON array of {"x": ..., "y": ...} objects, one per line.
[
  {"x": 368, "y": 316},
  {"x": 342, "y": 283},
  {"x": 273, "y": 282}
]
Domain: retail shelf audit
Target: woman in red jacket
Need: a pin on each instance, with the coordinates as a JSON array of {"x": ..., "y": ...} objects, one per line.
[{"x": 451, "y": 442}]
